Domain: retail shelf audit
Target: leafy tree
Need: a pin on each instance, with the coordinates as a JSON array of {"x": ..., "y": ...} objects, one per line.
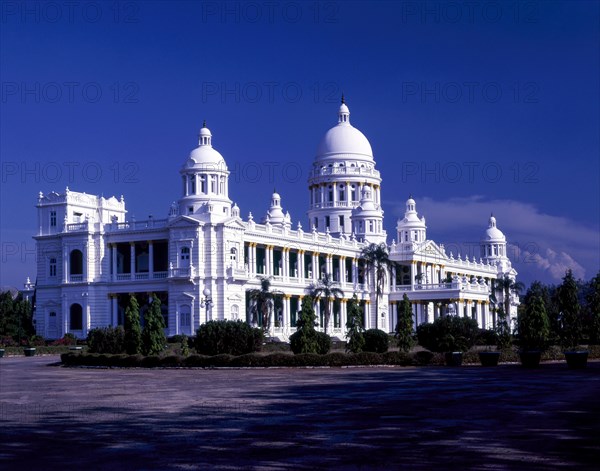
[
  {"x": 404, "y": 327},
  {"x": 571, "y": 322},
  {"x": 264, "y": 299},
  {"x": 153, "y": 335},
  {"x": 328, "y": 290},
  {"x": 377, "y": 259},
  {"x": 508, "y": 286},
  {"x": 133, "y": 330},
  {"x": 592, "y": 299},
  {"x": 354, "y": 324},
  {"x": 547, "y": 293},
  {"x": 306, "y": 339},
  {"x": 533, "y": 325},
  {"x": 503, "y": 335},
  {"x": 16, "y": 317}
]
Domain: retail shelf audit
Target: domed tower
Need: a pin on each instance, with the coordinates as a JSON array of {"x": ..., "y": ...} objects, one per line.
[
  {"x": 205, "y": 181},
  {"x": 411, "y": 228},
  {"x": 275, "y": 215},
  {"x": 367, "y": 219},
  {"x": 343, "y": 166},
  {"x": 493, "y": 246}
]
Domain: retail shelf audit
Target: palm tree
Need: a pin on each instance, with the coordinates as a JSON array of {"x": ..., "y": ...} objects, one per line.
[
  {"x": 506, "y": 286},
  {"x": 377, "y": 258},
  {"x": 327, "y": 289},
  {"x": 264, "y": 297}
]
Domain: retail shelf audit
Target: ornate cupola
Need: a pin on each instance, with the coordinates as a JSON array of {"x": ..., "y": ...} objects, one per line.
[
  {"x": 275, "y": 215},
  {"x": 343, "y": 165},
  {"x": 493, "y": 244},
  {"x": 367, "y": 219},
  {"x": 205, "y": 181},
  {"x": 411, "y": 228}
]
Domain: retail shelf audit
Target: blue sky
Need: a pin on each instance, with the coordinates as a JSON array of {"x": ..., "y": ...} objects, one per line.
[{"x": 471, "y": 107}]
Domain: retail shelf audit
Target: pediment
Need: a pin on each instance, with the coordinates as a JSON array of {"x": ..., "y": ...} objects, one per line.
[
  {"x": 431, "y": 249},
  {"x": 183, "y": 222}
]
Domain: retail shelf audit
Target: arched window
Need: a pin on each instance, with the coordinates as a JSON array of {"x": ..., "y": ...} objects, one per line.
[
  {"x": 235, "y": 312},
  {"x": 76, "y": 262},
  {"x": 76, "y": 317}
]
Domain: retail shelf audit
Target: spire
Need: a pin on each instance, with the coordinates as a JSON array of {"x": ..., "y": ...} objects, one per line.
[
  {"x": 343, "y": 113},
  {"x": 205, "y": 136}
]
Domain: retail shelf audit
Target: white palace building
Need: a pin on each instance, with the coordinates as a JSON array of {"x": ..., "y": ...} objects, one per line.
[{"x": 202, "y": 260}]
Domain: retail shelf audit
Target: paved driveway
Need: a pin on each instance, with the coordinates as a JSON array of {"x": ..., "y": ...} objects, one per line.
[{"x": 359, "y": 418}]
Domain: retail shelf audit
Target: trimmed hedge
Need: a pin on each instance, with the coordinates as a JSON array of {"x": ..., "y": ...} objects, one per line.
[
  {"x": 281, "y": 359},
  {"x": 228, "y": 337}
]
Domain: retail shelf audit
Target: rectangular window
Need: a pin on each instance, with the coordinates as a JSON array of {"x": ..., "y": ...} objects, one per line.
[
  {"x": 341, "y": 222},
  {"x": 193, "y": 184},
  {"x": 191, "y": 210},
  {"x": 316, "y": 223},
  {"x": 327, "y": 222},
  {"x": 52, "y": 267},
  {"x": 52, "y": 218},
  {"x": 213, "y": 184}
]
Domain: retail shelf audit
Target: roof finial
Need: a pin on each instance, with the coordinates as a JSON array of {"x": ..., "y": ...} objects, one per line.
[
  {"x": 204, "y": 124},
  {"x": 343, "y": 100}
]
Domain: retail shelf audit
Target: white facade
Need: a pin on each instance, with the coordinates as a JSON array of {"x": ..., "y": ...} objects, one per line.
[{"x": 91, "y": 256}]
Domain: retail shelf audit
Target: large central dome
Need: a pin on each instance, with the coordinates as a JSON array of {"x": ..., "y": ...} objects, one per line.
[{"x": 344, "y": 139}]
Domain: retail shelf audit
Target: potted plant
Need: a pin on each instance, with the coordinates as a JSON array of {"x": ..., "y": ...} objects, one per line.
[
  {"x": 533, "y": 331},
  {"x": 501, "y": 338},
  {"x": 571, "y": 323}
]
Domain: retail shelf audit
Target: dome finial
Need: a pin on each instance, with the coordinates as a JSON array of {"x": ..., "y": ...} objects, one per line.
[
  {"x": 204, "y": 123},
  {"x": 343, "y": 100}
]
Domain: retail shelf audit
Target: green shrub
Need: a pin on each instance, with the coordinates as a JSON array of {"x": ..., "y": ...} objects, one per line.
[
  {"x": 397, "y": 358},
  {"x": 221, "y": 360},
  {"x": 323, "y": 343},
  {"x": 487, "y": 337},
  {"x": 106, "y": 340},
  {"x": 230, "y": 337},
  {"x": 366, "y": 358},
  {"x": 376, "y": 341},
  {"x": 448, "y": 333},
  {"x": 423, "y": 357},
  {"x": 171, "y": 361},
  {"x": 197, "y": 361},
  {"x": 337, "y": 359},
  {"x": 151, "y": 361}
]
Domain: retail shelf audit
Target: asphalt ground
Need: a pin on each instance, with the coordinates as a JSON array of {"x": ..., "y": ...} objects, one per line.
[{"x": 439, "y": 418}]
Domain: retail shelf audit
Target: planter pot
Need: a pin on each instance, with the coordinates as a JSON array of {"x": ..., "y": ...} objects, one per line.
[
  {"x": 29, "y": 352},
  {"x": 1, "y": 352},
  {"x": 530, "y": 358},
  {"x": 576, "y": 360},
  {"x": 489, "y": 358},
  {"x": 453, "y": 358}
]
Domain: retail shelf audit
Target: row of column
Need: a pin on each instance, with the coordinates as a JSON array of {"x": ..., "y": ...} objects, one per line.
[
  {"x": 320, "y": 192},
  {"x": 286, "y": 272},
  {"x": 132, "y": 255}
]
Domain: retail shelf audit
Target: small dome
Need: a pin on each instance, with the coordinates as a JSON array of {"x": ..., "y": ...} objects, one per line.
[
  {"x": 344, "y": 139},
  {"x": 205, "y": 154},
  {"x": 492, "y": 233}
]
